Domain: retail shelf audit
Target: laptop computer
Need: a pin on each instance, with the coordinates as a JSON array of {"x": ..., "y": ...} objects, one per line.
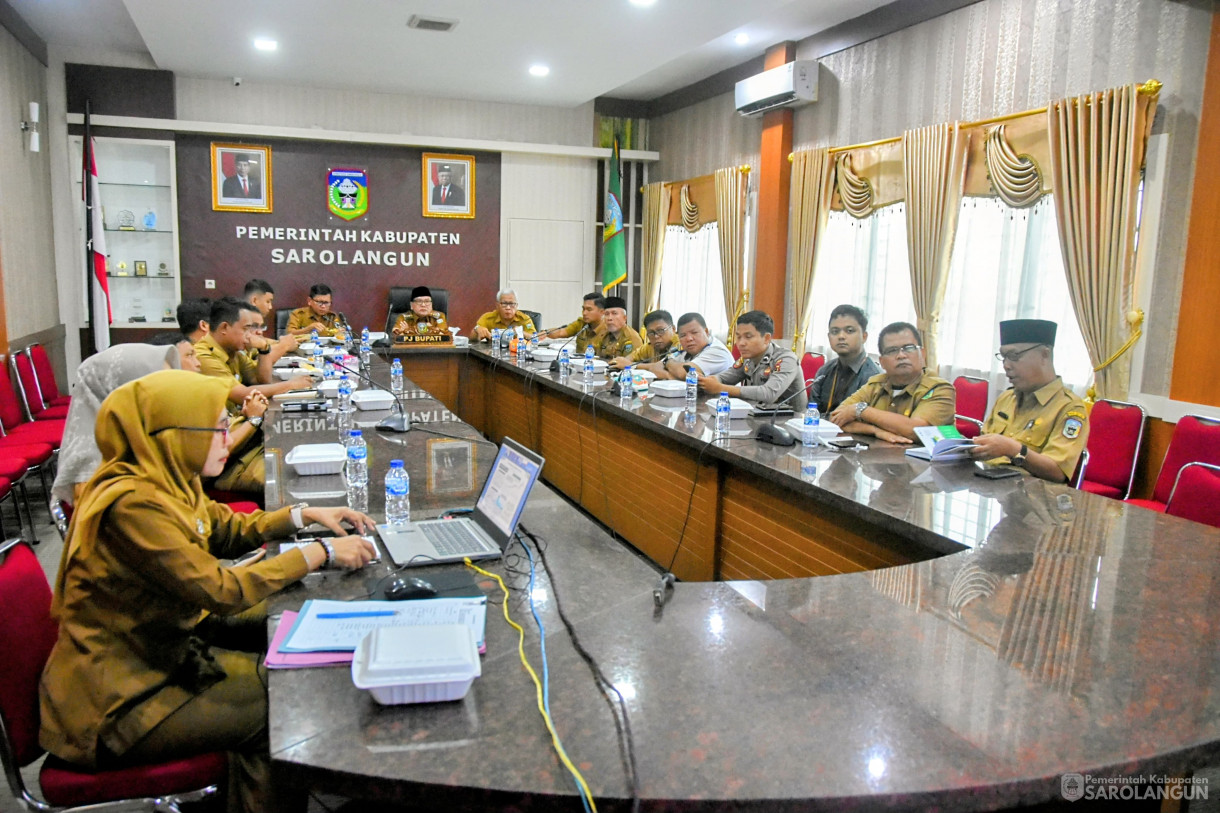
[{"x": 486, "y": 532}]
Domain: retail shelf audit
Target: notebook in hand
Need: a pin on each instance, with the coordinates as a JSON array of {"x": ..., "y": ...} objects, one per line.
[
  {"x": 940, "y": 444},
  {"x": 486, "y": 533}
]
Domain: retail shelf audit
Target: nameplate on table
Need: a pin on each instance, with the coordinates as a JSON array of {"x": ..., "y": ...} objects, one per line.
[{"x": 424, "y": 338}]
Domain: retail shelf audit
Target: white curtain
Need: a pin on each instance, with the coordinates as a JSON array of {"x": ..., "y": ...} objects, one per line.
[
  {"x": 732, "y": 188},
  {"x": 690, "y": 276},
  {"x": 812, "y": 190},
  {"x": 656, "y": 213}
]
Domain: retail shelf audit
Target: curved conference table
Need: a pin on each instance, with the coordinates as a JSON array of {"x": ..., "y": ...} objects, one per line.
[{"x": 1029, "y": 637}]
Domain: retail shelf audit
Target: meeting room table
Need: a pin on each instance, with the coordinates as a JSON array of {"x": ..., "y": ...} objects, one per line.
[{"x": 1068, "y": 636}]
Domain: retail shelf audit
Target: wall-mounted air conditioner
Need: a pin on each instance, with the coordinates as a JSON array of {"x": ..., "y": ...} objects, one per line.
[{"x": 789, "y": 85}]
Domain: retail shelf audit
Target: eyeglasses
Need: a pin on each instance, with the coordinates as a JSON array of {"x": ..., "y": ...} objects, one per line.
[
  {"x": 321, "y": 303},
  {"x": 504, "y": 304},
  {"x": 658, "y": 332},
  {"x": 423, "y": 300},
  {"x": 1015, "y": 355},
  {"x": 908, "y": 349},
  {"x": 224, "y": 429}
]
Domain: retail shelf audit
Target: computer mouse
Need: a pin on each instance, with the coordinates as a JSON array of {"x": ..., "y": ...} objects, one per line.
[
  {"x": 402, "y": 588},
  {"x": 776, "y": 434}
]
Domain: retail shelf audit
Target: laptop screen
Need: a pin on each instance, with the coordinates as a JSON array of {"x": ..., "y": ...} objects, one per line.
[{"x": 512, "y": 476}]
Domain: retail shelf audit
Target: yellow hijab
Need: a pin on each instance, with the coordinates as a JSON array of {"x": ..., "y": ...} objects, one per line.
[{"x": 137, "y": 435}]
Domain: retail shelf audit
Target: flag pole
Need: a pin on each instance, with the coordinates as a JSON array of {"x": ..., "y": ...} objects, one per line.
[{"x": 87, "y": 183}]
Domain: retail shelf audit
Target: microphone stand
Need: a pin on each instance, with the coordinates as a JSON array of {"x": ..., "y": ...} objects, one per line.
[
  {"x": 398, "y": 422},
  {"x": 554, "y": 367}
]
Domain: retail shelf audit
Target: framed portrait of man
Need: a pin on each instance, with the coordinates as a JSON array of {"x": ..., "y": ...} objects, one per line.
[
  {"x": 448, "y": 185},
  {"x": 451, "y": 466},
  {"x": 241, "y": 178}
]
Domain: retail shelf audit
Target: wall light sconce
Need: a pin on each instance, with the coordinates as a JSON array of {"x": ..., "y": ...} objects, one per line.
[{"x": 31, "y": 127}]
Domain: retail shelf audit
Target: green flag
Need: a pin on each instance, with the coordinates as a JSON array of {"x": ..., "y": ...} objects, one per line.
[{"x": 614, "y": 257}]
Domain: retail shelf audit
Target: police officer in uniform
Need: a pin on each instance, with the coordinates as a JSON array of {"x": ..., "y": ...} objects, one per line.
[
  {"x": 766, "y": 373},
  {"x": 421, "y": 319},
  {"x": 1038, "y": 424},
  {"x": 615, "y": 338},
  {"x": 890, "y": 405}
]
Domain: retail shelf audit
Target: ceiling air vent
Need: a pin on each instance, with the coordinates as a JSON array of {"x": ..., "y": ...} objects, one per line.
[{"x": 431, "y": 23}]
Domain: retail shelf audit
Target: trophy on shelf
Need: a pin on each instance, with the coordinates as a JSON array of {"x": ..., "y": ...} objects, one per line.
[
  {"x": 162, "y": 270},
  {"x": 150, "y": 220},
  {"x": 127, "y": 220},
  {"x": 137, "y": 310},
  {"x": 168, "y": 316},
  {"x": 141, "y": 268},
  {"x": 121, "y": 269}
]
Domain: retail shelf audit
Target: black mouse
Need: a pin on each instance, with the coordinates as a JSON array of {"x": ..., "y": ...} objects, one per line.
[
  {"x": 773, "y": 433},
  {"x": 403, "y": 588}
]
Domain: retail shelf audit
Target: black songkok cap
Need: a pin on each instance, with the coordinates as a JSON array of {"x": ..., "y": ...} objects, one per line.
[
  {"x": 615, "y": 302},
  {"x": 420, "y": 290},
  {"x": 1033, "y": 331}
]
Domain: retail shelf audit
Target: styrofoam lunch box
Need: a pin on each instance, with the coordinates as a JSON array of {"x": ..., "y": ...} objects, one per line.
[
  {"x": 317, "y": 458},
  {"x": 669, "y": 389},
  {"x": 737, "y": 408},
  {"x": 372, "y": 399},
  {"x": 330, "y": 387},
  {"x": 417, "y": 664},
  {"x": 825, "y": 429}
]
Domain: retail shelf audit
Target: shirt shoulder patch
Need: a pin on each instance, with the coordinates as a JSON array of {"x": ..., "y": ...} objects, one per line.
[{"x": 1072, "y": 427}]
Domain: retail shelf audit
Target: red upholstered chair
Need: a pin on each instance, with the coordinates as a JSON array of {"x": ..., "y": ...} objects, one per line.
[
  {"x": 27, "y": 634},
  {"x": 736, "y": 353},
  {"x": 810, "y": 364},
  {"x": 46, "y": 376},
  {"x": 31, "y": 395},
  {"x": 50, "y": 431},
  {"x": 1116, "y": 432},
  {"x": 1196, "y": 494},
  {"x": 972, "y": 396},
  {"x": 1195, "y": 439}
]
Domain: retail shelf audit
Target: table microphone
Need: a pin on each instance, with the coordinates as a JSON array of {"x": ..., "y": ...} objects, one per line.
[
  {"x": 663, "y": 590},
  {"x": 398, "y": 422},
  {"x": 777, "y": 435}
]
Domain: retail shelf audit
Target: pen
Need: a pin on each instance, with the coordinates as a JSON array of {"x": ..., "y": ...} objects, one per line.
[{"x": 367, "y": 614}]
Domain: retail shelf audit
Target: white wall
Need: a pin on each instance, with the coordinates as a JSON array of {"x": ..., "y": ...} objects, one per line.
[{"x": 548, "y": 212}]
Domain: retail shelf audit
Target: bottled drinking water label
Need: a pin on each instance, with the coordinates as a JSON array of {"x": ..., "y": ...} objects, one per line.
[
  {"x": 722, "y": 415},
  {"x": 588, "y": 369},
  {"x": 396, "y": 385},
  {"x": 345, "y": 394},
  {"x": 397, "y": 494},
  {"x": 364, "y": 335},
  {"x": 313, "y": 336},
  {"x": 357, "y": 459},
  {"x": 809, "y": 428},
  {"x": 626, "y": 384},
  {"x": 366, "y": 354}
]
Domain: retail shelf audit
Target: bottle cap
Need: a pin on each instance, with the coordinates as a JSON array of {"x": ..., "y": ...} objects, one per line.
[
  {"x": 396, "y": 464},
  {"x": 356, "y": 433}
]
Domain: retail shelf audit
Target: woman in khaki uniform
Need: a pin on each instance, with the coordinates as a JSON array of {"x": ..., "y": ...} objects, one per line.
[{"x": 130, "y": 680}]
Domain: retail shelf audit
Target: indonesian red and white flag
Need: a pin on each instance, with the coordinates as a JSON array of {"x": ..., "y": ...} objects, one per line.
[{"x": 102, "y": 317}]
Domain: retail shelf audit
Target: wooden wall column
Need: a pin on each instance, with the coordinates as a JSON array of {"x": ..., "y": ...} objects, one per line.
[
  {"x": 774, "y": 183},
  {"x": 1194, "y": 367}
]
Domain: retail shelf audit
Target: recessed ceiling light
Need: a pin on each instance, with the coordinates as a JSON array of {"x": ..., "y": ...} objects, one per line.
[
  {"x": 264, "y": 44},
  {"x": 539, "y": 70},
  {"x": 643, "y": 3},
  {"x": 742, "y": 38}
]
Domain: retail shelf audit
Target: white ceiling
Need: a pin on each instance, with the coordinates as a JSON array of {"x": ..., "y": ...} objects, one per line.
[{"x": 593, "y": 47}]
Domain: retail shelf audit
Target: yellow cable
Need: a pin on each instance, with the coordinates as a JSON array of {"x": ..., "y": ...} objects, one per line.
[{"x": 550, "y": 725}]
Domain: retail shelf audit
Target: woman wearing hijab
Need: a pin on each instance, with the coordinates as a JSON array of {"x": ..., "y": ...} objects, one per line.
[{"x": 129, "y": 681}]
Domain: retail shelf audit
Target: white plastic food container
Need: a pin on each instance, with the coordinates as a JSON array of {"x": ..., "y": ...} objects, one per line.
[
  {"x": 307, "y": 347},
  {"x": 372, "y": 399},
  {"x": 825, "y": 431},
  {"x": 330, "y": 387},
  {"x": 738, "y": 408},
  {"x": 420, "y": 664},
  {"x": 669, "y": 389},
  {"x": 545, "y": 354},
  {"x": 317, "y": 458}
]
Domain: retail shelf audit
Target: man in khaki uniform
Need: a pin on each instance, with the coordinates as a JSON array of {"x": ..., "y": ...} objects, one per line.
[
  {"x": 221, "y": 354},
  {"x": 767, "y": 373},
  {"x": 1038, "y": 424},
  {"x": 317, "y": 315},
  {"x": 505, "y": 316},
  {"x": 585, "y": 327},
  {"x": 615, "y": 338},
  {"x": 421, "y": 320},
  {"x": 890, "y": 405},
  {"x": 662, "y": 344}
]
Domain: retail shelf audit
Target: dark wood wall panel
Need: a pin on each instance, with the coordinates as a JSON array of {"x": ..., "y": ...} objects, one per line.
[
  {"x": 434, "y": 372},
  {"x": 472, "y": 386}
]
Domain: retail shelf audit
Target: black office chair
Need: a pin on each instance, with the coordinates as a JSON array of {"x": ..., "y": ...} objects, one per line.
[
  {"x": 281, "y": 320},
  {"x": 536, "y": 317},
  {"x": 400, "y": 302}
]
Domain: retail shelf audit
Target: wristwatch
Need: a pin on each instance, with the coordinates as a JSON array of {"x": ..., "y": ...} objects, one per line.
[
  {"x": 1019, "y": 458},
  {"x": 256, "y": 421},
  {"x": 297, "y": 514},
  {"x": 860, "y": 407}
]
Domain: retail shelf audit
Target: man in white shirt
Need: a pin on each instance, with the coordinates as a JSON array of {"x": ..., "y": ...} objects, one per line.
[{"x": 707, "y": 354}]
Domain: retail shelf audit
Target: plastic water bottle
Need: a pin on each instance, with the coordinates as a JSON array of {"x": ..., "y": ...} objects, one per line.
[
  {"x": 396, "y": 385},
  {"x": 345, "y": 394},
  {"x": 722, "y": 415},
  {"x": 313, "y": 336},
  {"x": 588, "y": 365},
  {"x": 533, "y": 346},
  {"x": 319, "y": 358},
  {"x": 366, "y": 354},
  {"x": 364, "y": 335},
  {"x": 809, "y": 428},
  {"x": 626, "y": 386},
  {"x": 397, "y": 494},
  {"x": 565, "y": 364},
  {"x": 496, "y": 334},
  {"x": 357, "y": 472},
  {"x": 692, "y": 389}
]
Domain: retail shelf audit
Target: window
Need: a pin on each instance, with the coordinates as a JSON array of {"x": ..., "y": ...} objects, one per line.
[{"x": 690, "y": 276}]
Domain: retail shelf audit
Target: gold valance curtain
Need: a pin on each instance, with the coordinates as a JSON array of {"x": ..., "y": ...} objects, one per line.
[
  {"x": 1097, "y": 144},
  {"x": 934, "y": 169},
  {"x": 732, "y": 187},
  {"x": 813, "y": 186},
  {"x": 656, "y": 217}
]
